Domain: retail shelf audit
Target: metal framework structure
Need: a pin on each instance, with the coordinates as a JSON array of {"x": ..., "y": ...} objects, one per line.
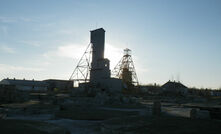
[
  {"x": 125, "y": 69},
  {"x": 82, "y": 71}
]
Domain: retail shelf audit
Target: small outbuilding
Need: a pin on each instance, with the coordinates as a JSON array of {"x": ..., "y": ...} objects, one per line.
[{"x": 175, "y": 87}]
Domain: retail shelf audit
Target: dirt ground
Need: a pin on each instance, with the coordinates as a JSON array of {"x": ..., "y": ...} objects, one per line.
[{"x": 59, "y": 116}]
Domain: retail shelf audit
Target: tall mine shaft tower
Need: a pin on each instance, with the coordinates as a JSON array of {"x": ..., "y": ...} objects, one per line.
[
  {"x": 125, "y": 70},
  {"x": 99, "y": 65},
  {"x": 94, "y": 73}
]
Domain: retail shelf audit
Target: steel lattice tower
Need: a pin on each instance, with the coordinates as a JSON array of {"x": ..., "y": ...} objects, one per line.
[
  {"x": 82, "y": 71},
  {"x": 125, "y": 70}
]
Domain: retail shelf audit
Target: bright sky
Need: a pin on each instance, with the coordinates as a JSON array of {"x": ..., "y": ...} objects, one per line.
[{"x": 169, "y": 39}]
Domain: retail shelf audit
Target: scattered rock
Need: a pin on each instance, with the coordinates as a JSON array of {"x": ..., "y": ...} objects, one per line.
[
  {"x": 193, "y": 113},
  {"x": 3, "y": 116},
  {"x": 199, "y": 114},
  {"x": 156, "y": 108}
]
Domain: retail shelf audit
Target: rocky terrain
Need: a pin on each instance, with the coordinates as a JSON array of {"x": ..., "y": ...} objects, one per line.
[{"x": 64, "y": 113}]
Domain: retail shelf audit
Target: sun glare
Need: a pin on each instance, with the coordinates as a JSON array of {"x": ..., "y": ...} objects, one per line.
[{"x": 114, "y": 54}]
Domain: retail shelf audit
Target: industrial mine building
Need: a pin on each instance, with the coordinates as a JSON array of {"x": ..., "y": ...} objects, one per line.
[
  {"x": 35, "y": 85},
  {"x": 100, "y": 76}
]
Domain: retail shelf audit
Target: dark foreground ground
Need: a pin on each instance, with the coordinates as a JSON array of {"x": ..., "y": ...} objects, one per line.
[
  {"x": 73, "y": 115},
  {"x": 164, "y": 125},
  {"x": 132, "y": 125},
  {"x": 29, "y": 127}
]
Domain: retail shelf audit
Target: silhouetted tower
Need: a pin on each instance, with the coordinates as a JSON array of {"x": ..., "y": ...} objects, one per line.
[
  {"x": 93, "y": 67},
  {"x": 81, "y": 72},
  {"x": 125, "y": 70},
  {"x": 99, "y": 65}
]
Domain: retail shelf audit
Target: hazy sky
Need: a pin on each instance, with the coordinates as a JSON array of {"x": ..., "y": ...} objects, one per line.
[{"x": 169, "y": 39}]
